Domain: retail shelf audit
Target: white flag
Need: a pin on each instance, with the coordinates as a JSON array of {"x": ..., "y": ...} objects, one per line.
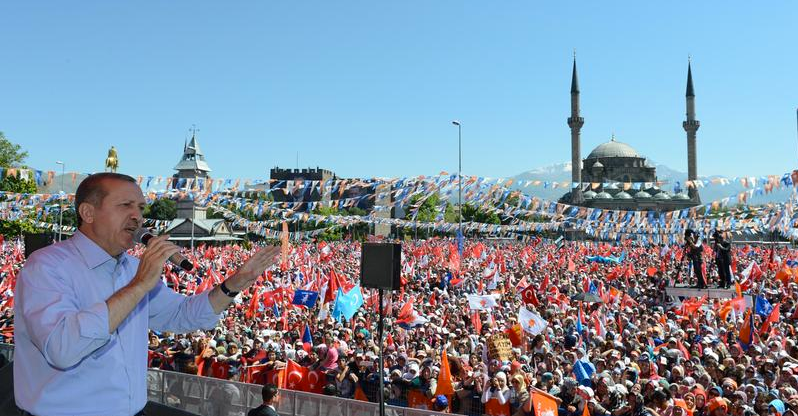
[
  {"x": 531, "y": 322},
  {"x": 481, "y": 302}
]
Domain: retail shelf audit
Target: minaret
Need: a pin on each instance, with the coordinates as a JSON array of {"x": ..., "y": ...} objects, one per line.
[
  {"x": 691, "y": 126},
  {"x": 575, "y": 123}
]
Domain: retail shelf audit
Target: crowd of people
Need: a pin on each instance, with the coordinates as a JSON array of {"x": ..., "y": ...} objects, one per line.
[{"x": 625, "y": 349}]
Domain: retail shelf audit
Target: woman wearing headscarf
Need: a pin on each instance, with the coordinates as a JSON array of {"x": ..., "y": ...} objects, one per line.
[
  {"x": 497, "y": 389},
  {"x": 689, "y": 401},
  {"x": 776, "y": 407},
  {"x": 700, "y": 401},
  {"x": 517, "y": 395}
]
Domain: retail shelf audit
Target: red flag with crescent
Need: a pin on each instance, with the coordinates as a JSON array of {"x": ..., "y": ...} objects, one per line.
[
  {"x": 295, "y": 376},
  {"x": 529, "y": 296},
  {"x": 314, "y": 382}
]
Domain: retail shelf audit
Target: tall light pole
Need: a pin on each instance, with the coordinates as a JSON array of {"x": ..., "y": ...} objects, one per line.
[
  {"x": 459, "y": 179},
  {"x": 61, "y": 200}
]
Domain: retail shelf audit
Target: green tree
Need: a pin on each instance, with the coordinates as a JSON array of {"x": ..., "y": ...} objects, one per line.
[
  {"x": 356, "y": 211},
  {"x": 15, "y": 184},
  {"x": 213, "y": 214},
  {"x": 427, "y": 209},
  {"x": 11, "y": 154},
  {"x": 472, "y": 213},
  {"x": 17, "y": 228},
  {"x": 161, "y": 209}
]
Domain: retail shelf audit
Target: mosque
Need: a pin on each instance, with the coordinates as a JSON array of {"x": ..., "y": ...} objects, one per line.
[{"x": 615, "y": 176}]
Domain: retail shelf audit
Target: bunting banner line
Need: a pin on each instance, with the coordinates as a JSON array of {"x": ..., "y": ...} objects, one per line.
[
  {"x": 595, "y": 222},
  {"x": 45, "y": 178}
]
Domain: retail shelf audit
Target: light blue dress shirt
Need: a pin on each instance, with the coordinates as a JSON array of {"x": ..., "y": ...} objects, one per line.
[{"x": 65, "y": 361}]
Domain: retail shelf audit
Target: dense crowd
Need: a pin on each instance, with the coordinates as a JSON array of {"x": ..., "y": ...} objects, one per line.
[{"x": 625, "y": 350}]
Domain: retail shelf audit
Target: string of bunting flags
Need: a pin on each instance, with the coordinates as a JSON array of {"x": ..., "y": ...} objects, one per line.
[
  {"x": 489, "y": 196},
  {"x": 153, "y": 182}
]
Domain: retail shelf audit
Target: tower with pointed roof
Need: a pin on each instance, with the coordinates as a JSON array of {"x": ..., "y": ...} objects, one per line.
[
  {"x": 192, "y": 174},
  {"x": 575, "y": 122},
  {"x": 691, "y": 126}
]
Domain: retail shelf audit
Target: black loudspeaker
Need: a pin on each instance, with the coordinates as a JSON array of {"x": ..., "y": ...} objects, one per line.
[
  {"x": 34, "y": 242},
  {"x": 381, "y": 266}
]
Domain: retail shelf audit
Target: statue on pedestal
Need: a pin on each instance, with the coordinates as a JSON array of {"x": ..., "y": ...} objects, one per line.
[{"x": 111, "y": 162}]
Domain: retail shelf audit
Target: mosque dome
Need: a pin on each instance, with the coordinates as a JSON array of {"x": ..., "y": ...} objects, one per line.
[
  {"x": 589, "y": 195},
  {"x": 613, "y": 148},
  {"x": 622, "y": 195},
  {"x": 643, "y": 195},
  {"x": 603, "y": 195}
]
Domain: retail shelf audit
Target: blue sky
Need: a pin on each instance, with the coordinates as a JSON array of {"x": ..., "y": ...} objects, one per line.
[{"x": 369, "y": 88}]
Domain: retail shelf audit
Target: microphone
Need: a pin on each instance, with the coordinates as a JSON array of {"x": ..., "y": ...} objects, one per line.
[{"x": 144, "y": 235}]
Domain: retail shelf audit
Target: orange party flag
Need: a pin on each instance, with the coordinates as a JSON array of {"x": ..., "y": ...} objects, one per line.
[
  {"x": 444, "y": 377},
  {"x": 543, "y": 403},
  {"x": 360, "y": 395}
]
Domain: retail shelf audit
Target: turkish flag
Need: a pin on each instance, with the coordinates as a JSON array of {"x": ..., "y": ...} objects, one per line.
[
  {"x": 315, "y": 381},
  {"x": 296, "y": 376},
  {"x": 544, "y": 404},
  {"x": 772, "y": 318},
  {"x": 220, "y": 370},
  {"x": 529, "y": 296},
  {"x": 332, "y": 287},
  {"x": 206, "y": 284},
  {"x": 276, "y": 377},
  {"x": 255, "y": 375},
  {"x": 254, "y": 304}
]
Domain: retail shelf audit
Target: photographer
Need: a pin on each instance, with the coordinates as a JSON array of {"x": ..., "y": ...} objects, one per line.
[
  {"x": 694, "y": 249},
  {"x": 496, "y": 388},
  {"x": 722, "y": 250}
]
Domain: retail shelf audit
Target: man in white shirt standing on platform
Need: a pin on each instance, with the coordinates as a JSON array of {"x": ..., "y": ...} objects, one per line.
[{"x": 83, "y": 307}]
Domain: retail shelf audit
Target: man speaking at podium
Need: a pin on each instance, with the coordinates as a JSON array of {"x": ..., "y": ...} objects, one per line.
[{"x": 83, "y": 307}]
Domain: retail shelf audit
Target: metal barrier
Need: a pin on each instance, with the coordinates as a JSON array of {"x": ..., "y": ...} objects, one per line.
[{"x": 214, "y": 397}]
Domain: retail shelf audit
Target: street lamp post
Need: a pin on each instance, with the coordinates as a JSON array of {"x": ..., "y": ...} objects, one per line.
[
  {"x": 459, "y": 179},
  {"x": 61, "y": 200}
]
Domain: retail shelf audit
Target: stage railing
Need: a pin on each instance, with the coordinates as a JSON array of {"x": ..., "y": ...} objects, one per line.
[{"x": 215, "y": 397}]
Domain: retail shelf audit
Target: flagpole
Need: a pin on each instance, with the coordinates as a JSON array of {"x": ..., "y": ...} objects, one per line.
[{"x": 459, "y": 180}]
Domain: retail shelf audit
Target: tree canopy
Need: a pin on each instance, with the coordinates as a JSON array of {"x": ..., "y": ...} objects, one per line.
[
  {"x": 11, "y": 154},
  {"x": 161, "y": 209}
]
